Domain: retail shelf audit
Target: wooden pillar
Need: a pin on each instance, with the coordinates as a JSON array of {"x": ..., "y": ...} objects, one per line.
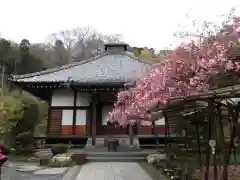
[
  {"x": 49, "y": 112},
  {"x": 74, "y": 111},
  {"x": 88, "y": 128},
  {"x": 94, "y": 118},
  {"x": 138, "y": 127},
  {"x": 130, "y": 134},
  {"x": 155, "y": 134},
  {"x": 49, "y": 118}
]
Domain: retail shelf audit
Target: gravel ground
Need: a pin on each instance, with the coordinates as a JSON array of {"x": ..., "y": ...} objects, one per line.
[{"x": 11, "y": 174}]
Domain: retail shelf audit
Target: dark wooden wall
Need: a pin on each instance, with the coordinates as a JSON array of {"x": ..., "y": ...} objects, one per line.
[{"x": 55, "y": 120}]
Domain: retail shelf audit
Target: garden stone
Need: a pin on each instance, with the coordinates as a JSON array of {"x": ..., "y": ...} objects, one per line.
[
  {"x": 155, "y": 158},
  {"x": 61, "y": 160}
]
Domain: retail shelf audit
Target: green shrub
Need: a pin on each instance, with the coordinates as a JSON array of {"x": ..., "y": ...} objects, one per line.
[
  {"x": 25, "y": 138},
  {"x": 25, "y": 151},
  {"x": 25, "y": 144},
  {"x": 59, "y": 148}
]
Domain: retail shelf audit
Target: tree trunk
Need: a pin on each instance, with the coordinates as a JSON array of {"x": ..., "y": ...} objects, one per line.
[{"x": 2, "y": 80}]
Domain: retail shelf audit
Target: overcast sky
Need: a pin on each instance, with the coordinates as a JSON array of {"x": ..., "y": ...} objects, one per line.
[{"x": 142, "y": 22}]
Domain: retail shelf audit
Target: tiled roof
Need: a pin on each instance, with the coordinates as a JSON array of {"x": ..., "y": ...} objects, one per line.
[{"x": 105, "y": 68}]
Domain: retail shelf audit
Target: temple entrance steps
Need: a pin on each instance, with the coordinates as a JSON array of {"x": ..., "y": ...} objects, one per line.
[
  {"x": 99, "y": 143},
  {"x": 101, "y": 154},
  {"x": 123, "y": 142},
  {"x": 127, "y": 156},
  {"x": 126, "y": 152}
]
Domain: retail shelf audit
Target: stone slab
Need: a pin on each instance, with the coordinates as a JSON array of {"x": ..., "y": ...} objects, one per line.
[
  {"x": 23, "y": 167},
  {"x": 112, "y": 171},
  {"x": 51, "y": 171},
  {"x": 28, "y": 168}
]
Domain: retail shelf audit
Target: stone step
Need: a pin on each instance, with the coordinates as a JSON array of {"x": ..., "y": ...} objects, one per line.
[
  {"x": 99, "y": 142},
  {"x": 115, "y": 159},
  {"x": 117, "y": 154},
  {"x": 122, "y": 142}
]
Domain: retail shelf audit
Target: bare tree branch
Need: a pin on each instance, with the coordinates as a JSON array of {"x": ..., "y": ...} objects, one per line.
[{"x": 83, "y": 42}]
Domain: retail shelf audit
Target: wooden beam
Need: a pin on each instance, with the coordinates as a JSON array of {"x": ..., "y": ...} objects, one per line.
[{"x": 70, "y": 107}]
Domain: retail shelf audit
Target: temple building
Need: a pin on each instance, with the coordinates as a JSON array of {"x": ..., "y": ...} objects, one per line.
[{"x": 81, "y": 94}]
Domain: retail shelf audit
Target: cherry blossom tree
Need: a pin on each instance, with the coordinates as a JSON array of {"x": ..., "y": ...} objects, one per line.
[{"x": 185, "y": 71}]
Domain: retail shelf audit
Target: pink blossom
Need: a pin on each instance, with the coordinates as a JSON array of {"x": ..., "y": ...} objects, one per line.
[
  {"x": 238, "y": 29},
  {"x": 176, "y": 76}
]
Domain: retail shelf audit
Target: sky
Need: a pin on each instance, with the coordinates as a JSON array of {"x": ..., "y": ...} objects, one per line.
[{"x": 148, "y": 23}]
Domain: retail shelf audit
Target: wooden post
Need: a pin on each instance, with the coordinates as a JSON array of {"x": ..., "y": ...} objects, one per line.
[
  {"x": 94, "y": 119},
  {"x": 155, "y": 134},
  {"x": 130, "y": 133},
  {"x": 234, "y": 118},
  {"x": 166, "y": 146},
  {"x": 210, "y": 116},
  {"x": 198, "y": 144},
  {"x": 74, "y": 111},
  {"x": 49, "y": 113},
  {"x": 88, "y": 128},
  {"x": 138, "y": 127}
]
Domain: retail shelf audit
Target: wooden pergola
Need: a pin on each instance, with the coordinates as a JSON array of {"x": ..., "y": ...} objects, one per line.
[{"x": 213, "y": 110}]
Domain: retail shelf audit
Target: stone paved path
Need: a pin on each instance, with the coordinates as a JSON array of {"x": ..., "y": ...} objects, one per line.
[
  {"x": 88, "y": 171},
  {"x": 9, "y": 173},
  {"x": 112, "y": 171}
]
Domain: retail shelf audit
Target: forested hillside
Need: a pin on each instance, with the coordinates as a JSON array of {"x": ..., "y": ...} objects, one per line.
[{"x": 20, "y": 111}]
